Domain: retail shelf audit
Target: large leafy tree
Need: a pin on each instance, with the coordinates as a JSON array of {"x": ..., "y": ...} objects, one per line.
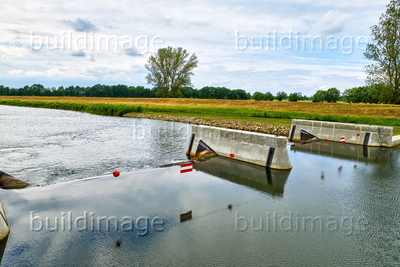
[
  {"x": 171, "y": 70},
  {"x": 385, "y": 51}
]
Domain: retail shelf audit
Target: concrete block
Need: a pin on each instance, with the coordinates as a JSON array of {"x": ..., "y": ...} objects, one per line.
[
  {"x": 246, "y": 146},
  {"x": 396, "y": 140},
  {"x": 317, "y": 124},
  {"x": 346, "y": 126},
  {"x": 353, "y": 133}
]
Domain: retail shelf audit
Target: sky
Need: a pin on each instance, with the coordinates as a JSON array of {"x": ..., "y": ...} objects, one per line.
[{"x": 289, "y": 45}]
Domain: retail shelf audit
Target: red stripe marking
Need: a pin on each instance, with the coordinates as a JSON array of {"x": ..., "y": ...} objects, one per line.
[
  {"x": 186, "y": 170},
  {"x": 187, "y": 164}
]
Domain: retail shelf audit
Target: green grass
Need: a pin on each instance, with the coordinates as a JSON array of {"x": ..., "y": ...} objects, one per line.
[
  {"x": 212, "y": 113},
  {"x": 269, "y": 117},
  {"x": 102, "y": 109}
]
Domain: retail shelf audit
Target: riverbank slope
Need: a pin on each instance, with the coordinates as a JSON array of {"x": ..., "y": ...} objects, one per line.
[{"x": 260, "y": 116}]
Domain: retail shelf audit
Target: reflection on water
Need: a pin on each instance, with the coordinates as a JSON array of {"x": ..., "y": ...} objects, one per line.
[
  {"x": 3, "y": 244},
  {"x": 260, "y": 178},
  {"x": 345, "y": 151},
  {"x": 348, "y": 218},
  {"x": 241, "y": 214}
]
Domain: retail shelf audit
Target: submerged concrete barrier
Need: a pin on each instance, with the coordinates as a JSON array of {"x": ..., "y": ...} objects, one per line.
[
  {"x": 359, "y": 134},
  {"x": 257, "y": 148},
  {"x": 4, "y": 230}
]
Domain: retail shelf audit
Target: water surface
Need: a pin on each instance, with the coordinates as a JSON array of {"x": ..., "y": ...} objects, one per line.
[
  {"x": 44, "y": 146},
  {"x": 338, "y": 206}
]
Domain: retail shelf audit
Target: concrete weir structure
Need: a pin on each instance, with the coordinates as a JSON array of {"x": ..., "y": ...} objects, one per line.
[
  {"x": 359, "y": 134},
  {"x": 257, "y": 148}
]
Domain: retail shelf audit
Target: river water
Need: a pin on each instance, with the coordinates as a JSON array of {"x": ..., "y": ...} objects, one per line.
[
  {"x": 43, "y": 146},
  {"x": 338, "y": 206}
]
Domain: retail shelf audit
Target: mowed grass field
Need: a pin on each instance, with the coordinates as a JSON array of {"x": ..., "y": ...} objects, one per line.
[{"x": 246, "y": 110}]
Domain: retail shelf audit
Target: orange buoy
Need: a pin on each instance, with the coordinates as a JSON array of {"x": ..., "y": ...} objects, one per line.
[
  {"x": 326, "y": 139},
  {"x": 358, "y": 134},
  {"x": 116, "y": 173},
  {"x": 231, "y": 155}
]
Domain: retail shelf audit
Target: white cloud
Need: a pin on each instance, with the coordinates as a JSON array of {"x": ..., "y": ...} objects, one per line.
[
  {"x": 333, "y": 22},
  {"x": 206, "y": 28}
]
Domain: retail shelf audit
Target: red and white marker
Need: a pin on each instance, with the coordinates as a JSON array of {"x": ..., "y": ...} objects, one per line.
[
  {"x": 342, "y": 140},
  {"x": 187, "y": 167}
]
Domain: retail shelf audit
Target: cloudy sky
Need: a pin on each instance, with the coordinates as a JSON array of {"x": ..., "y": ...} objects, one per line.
[{"x": 288, "y": 45}]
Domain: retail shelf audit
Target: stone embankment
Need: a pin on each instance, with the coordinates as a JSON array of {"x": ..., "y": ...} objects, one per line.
[{"x": 244, "y": 126}]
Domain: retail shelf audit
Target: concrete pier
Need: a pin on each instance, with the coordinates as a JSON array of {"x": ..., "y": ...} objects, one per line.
[
  {"x": 359, "y": 134},
  {"x": 257, "y": 148}
]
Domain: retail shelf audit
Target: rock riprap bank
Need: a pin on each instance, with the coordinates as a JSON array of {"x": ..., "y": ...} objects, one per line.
[{"x": 238, "y": 125}]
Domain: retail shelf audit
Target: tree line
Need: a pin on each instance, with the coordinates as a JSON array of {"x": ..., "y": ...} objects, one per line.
[
  {"x": 99, "y": 90},
  {"x": 365, "y": 94}
]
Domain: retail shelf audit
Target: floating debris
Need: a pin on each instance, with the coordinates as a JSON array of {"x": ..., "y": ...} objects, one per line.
[{"x": 186, "y": 216}]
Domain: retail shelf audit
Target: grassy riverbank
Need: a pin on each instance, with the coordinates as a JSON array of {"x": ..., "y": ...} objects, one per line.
[{"x": 228, "y": 112}]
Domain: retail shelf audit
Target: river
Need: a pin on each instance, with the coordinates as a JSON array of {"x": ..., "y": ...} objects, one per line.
[{"x": 338, "y": 206}]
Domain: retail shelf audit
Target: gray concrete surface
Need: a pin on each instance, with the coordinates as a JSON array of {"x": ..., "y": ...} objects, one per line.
[
  {"x": 352, "y": 133},
  {"x": 257, "y": 148}
]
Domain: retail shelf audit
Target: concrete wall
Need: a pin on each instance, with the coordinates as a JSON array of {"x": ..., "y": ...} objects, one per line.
[
  {"x": 333, "y": 131},
  {"x": 260, "y": 149},
  {"x": 4, "y": 230}
]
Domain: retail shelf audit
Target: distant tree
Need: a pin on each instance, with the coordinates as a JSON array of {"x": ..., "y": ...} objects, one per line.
[
  {"x": 238, "y": 94},
  {"x": 269, "y": 96},
  {"x": 364, "y": 94},
  {"x": 170, "y": 70},
  {"x": 294, "y": 97},
  {"x": 319, "y": 96},
  {"x": 258, "y": 96},
  {"x": 385, "y": 51},
  {"x": 332, "y": 95},
  {"x": 281, "y": 95},
  {"x": 190, "y": 92}
]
